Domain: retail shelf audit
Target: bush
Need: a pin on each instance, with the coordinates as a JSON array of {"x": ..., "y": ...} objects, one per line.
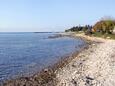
[{"x": 104, "y": 26}]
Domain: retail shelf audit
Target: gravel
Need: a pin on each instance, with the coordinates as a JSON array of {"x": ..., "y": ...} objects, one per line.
[{"x": 94, "y": 66}]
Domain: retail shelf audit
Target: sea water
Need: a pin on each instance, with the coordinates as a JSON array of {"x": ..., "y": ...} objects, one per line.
[{"x": 27, "y": 53}]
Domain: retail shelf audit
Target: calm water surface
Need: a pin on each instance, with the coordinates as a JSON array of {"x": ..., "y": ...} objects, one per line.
[{"x": 26, "y": 53}]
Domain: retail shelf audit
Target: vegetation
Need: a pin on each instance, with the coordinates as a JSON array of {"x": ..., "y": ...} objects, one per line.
[
  {"x": 79, "y": 28},
  {"x": 110, "y": 36},
  {"x": 103, "y": 28}
]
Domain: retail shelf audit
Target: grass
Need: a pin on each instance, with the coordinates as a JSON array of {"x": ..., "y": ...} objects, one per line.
[{"x": 111, "y": 36}]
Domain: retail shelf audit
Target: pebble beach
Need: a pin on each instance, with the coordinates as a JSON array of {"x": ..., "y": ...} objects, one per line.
[{"x": 93, "y": 66}]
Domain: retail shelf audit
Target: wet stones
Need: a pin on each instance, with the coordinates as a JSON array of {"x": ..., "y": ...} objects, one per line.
[
  {"x": 89, "y": 78},
  {"x": 89, "y": 81},
  {"x": 74, "y": 82}
]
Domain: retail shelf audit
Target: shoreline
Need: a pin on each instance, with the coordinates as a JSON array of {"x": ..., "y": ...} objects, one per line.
[
  {"x": 48, "y": 73},
  {"x": 69, "y": 71},
  {"x": 92, "y": 67}
]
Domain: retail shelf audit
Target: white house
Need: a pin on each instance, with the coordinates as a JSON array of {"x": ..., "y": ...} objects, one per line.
[{"x": 114, "y": 30}]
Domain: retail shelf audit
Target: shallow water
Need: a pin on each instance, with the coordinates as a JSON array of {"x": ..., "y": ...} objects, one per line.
[{"x": 27, "y": 53}]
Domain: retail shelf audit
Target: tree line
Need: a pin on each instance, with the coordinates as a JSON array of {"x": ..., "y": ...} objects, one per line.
[
  {"x": 104, "y": 26},
  {"x": 79, "y": 28}
]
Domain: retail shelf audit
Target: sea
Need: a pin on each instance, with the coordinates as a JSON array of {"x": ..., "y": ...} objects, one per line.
[{"x": 25, "y": 53}]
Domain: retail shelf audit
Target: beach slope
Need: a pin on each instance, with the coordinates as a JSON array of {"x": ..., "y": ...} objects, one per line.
[{"x": 94, "y": 66}]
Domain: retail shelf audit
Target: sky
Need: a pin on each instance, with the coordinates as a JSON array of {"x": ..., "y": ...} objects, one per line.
[{"x": 51, "y": 15}]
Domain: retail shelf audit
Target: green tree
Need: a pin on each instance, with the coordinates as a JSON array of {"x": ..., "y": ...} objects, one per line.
[{"x": 104, "y": 26}]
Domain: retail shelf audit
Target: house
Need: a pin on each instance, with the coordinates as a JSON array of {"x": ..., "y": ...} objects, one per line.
[{"x": 114, "y": 30}]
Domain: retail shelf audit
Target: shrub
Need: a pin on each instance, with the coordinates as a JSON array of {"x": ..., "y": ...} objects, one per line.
[{"x": 104, "y": 26}]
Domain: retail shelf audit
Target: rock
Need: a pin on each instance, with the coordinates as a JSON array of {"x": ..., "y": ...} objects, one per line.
[
  {"x": 73, "y": 65},
  {"x": 45, "y": 70},
  {"x": 74, "y": 82},
  {"x": 87, "y": 77},
  {"x": 93, "y": 44},
  {"x": 108, "y": 37}
]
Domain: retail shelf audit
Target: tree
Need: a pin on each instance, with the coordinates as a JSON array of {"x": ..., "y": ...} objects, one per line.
[
  {"x": 79, "y": 28},
  {"x": 104, "y": 26}
]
